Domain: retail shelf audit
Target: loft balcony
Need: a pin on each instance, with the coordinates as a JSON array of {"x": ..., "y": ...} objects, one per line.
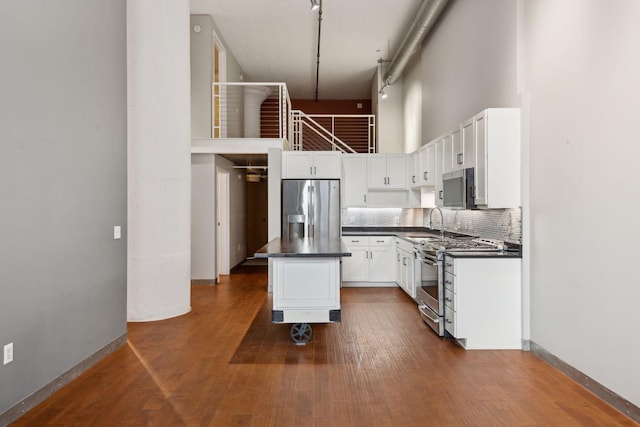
[{"x": 253, "y": 117}]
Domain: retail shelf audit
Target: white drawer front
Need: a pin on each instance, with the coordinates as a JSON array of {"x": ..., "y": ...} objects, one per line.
[
  {"x": 380, "y": 240},
  {"x": 450, "y": 282},
  {"x": 351, "y": 241},
  {"x": 450, "y": 298},
  {"x": 450, "y": 321},
  {"x": 449, "y": 266}
]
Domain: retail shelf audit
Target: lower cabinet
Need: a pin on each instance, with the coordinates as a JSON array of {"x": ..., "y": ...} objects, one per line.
[
  {"x": 483, "y": 302},
  {"x": 404, "y": 267},
  {"x": 370, "y": 260}
]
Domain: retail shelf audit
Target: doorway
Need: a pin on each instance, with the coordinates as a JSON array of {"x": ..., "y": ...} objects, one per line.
[
  {"x": 223, "y": 226},
  {"x": 257, "y": 215}
]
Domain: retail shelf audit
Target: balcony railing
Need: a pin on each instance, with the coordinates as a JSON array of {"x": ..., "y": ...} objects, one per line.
[
  {"x": 250, "y": 110},
  {"x": 263, "y": 110},
  {"x": 349, "y": 133}
]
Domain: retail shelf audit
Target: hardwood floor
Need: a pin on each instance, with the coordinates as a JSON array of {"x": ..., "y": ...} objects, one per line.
[{"x": 226, "y": 364}]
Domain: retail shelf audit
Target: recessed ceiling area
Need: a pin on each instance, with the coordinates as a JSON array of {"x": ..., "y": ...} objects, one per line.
[{"x": 276, "y": 41}]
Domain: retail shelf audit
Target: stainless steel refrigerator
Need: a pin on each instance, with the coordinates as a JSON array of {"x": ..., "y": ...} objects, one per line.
[{"x": 310, "y": 208}]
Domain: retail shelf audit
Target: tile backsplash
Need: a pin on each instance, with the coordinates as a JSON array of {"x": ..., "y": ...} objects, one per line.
[{"x": 501, "y": 224}]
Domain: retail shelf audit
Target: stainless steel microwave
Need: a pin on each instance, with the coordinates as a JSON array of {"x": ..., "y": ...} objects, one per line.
[{"x": 458, "y": 189}]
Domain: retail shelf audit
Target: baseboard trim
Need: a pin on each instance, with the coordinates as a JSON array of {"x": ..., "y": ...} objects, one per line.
[
  {"x": 613, "y": 399},
  {"x": 203, "y": 282},
  {"x": 39, "y": 396}
]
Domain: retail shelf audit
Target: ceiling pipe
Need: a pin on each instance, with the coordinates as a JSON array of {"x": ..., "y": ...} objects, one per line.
[
  {"x": 426, "y": 17},
  {"x": 318, "y": 52}
]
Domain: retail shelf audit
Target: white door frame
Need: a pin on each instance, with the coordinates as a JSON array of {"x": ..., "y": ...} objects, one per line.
[
  {"x": 219, "y": 121},
  {"x": 223, "y": 227}
]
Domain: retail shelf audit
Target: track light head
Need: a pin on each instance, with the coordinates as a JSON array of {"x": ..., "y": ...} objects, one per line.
[{"x": 315, "y": 4}]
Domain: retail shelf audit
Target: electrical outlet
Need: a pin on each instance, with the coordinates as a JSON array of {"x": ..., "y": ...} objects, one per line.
[
  {"x": 117, "y": 232},
  {"x": 8, "y": 353}
]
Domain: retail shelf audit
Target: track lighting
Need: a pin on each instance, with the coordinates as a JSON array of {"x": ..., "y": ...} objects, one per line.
[
  {"x": 315, "y": 4},
  {"x": 383, "y": 94}
]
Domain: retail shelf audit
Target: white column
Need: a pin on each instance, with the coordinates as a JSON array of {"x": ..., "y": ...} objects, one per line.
[
  {"x": 254, "y": 96},
  {"x": 159, "y": 138}
]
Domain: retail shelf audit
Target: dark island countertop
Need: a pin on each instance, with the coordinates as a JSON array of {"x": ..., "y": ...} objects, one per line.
[{"x": 309, "y": 248}]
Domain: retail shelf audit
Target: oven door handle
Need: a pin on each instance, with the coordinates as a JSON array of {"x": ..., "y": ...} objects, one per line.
[
  {"x": 428, "y": 313},
  {"x": 428, "y": 260}
]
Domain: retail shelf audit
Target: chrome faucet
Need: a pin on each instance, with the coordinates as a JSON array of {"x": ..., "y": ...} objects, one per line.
[{"x": 441, "y": 223}]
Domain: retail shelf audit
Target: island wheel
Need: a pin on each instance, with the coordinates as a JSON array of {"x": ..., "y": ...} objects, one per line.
[{"x": 301, "y": 333}]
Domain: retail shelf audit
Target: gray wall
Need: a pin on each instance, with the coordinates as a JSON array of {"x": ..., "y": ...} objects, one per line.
[
  {"x": 63, "y": 115},
  {"x": 203, "y": 215},
  {"x": 582, "y": 63},
  {"x": 469, "y": 62}
]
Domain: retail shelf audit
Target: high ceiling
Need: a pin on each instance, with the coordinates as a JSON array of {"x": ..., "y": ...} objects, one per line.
[{"x": 276, "y": 41}]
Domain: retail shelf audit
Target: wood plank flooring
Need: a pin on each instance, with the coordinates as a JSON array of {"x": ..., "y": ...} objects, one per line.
[{"x": 226, "y": 364}]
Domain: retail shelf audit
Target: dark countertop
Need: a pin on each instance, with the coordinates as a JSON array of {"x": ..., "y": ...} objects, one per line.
[
  {"x": 476, "y": 254},
  {"x": 308, "y": 248},
  {"x": 410, "y": 233},
  {"x": 403, "y": 232}
]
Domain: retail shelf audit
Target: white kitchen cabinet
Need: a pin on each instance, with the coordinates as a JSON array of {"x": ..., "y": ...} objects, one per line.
[
  {"x": 483, "y": 302},
  {"x": 439, "y": 168},
  {"x": 356, "y": 267},
  {"x": 427, "y": 161},
  {"x": 371, "y": 257},
  {"x": 497, "y": 158},
  {"x": 451, "y": 147},
  {"x": 311, "y": 165},
  {"x": 413, "y": 169},
  {"x": 404, "y": 270},
  {"x": 466, "y": 158},
  {"x": 354, "y": 180},
  {"x": 387, "y": 171}
]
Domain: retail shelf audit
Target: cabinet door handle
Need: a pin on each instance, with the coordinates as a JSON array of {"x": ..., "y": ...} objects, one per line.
[
  {"x": 448, "y": 321},
  {"x": 398, "y": 257},
  {"x": 315, "y": 171},
  {"x": 448, "y": 299},
  {"x": 426, "y": 175},
  {"x": 310, "y": 170},
  {"x": 355, "y": 241},
  {"x": 365, "y": 198},
  {"x": 460, "y": 158},
  {"x": 413, "y": 179},
  {"x": 440, "y": 195}
]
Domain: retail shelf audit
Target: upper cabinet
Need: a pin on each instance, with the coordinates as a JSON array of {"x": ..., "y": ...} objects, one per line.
[
  {"x": 311, "y": 165},
  {"x": 426, "y": 173},
  {"x": 467, "y": 157},
  {"x": 354, "y": 180},
  {"x": 459, "y": 148},
  {"x": 489, "y": 142},
  {"x": 497, "y": 158},
  {"x": 438, "y": 168},
  {"x": 387, "y": 171}
]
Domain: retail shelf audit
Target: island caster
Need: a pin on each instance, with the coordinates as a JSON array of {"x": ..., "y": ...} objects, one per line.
[{"x": 301, "y": 333}]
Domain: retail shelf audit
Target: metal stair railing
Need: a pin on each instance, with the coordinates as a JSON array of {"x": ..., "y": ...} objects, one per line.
[{"x": 351, "y": 133}]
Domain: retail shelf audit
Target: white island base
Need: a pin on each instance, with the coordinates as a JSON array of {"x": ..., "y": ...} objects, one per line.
[{"x": 306, "y": 290}]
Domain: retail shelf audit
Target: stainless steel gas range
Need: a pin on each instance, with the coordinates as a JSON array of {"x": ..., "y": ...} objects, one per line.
[{"x": 429, "y": 268}]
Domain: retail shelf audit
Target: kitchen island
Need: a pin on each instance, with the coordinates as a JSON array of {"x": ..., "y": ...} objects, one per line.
[{"x": 305, "y": 273}]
